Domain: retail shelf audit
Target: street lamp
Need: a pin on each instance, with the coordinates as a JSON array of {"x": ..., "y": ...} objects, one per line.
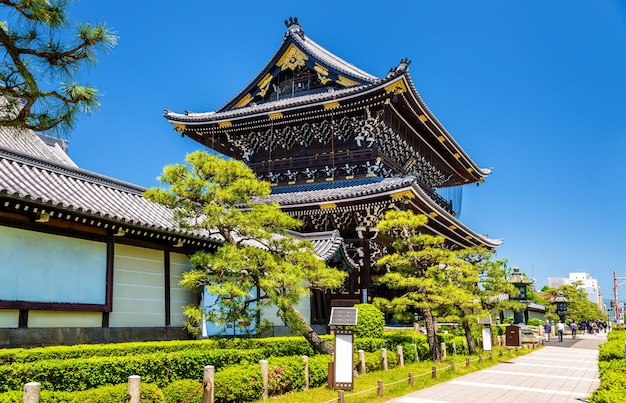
[
  {"x": 520, "y": 281},
  {"x": 561, "y": 306}
]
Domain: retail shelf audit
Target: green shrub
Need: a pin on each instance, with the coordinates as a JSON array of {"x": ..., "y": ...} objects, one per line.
[
  {"x": 182, "y": 390},
  {"x": 318, "y": 370},
  {"x": 535, "y": 322},
  {"x": 370, "y": 321},
  {"x": 159, "y": 368},
  {"x": 238, "y": 384},
  {"x": 369, "y": 344},
  {"x": 150, "y": 393}
]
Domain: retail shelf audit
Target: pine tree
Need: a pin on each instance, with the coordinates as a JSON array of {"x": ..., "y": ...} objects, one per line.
[
  {"x": 223, "y": 198},
  {"x": 42, "y": 56}
]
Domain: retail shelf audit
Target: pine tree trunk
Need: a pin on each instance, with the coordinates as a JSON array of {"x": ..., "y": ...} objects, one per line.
[
  {"x": 470, "y": 339},
  {"x": 431, "y": 333},
  {"x": 319, "y": 346}
]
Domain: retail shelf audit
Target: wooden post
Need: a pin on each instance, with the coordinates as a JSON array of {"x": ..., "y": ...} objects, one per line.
[
  {"x": 362, "y": 361},
  {"x": 340, "y": 396},
  {"x": 265, "y": 374},
  {"x": 453, "y": 348},
  {"x": 467, "y": 362},
  {"x": 417, "y": 353},
  {"x": 134, "y": 388},
  {"x": 480, "y": 359},
  {"x": 465, "y": 349},
  {"x": 434, "y": 372},
  {"x": 306, "y": 372},
  {"x": 452, "y": 365},
  {"x": 491, "y": 354},
  {"x": 380, "y": 387},
  {"x": 384, "y": 359},
  {"x": 208, "y": 379},
  {"x": 411, "y": 378},
  {"x": 443, "y": 351},
  {"x": 400, "y": 357},
  {"x": 31, "y": 392}
]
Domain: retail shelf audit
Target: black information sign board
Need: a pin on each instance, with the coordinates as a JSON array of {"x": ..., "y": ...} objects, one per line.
[{"x": 343, "y": 316}]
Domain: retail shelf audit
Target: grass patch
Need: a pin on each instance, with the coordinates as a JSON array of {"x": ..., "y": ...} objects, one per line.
[{"x": 395, "y": 382}]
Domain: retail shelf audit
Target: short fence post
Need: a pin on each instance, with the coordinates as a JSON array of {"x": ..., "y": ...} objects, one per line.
[
  {"x": 465, "y": 349},
  {"x": 453, "y": 348},
  {"x": 417, "y": 353},
  {"x": 340, "y": 396},
  {"x": 134, "y": 388},
  {"x": 31, "y": 392},
  {"x": 467, "y": 362},
  {"x": 400, "y": 357},
  {"x": 362, "y": 361},
  {"x": 480, "y": 359},
  {"x": 306, "y": 372},
  {"x": 265, "y": 374},
  {"x": 411, "y": 378},
  {"x": 384, "y": 359},
  {"x": 208, "y": 379},
  {"x": 452, "y": 365},
  {"x": 380, "y": 387},
  {"x": 491, "y": 354},
  {"x": 443, "y": 351},
  {"x": 434, "y": 372}
]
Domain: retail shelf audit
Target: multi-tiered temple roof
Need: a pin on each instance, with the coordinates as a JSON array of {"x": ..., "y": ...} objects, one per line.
[{"x": 333, "y": 138}]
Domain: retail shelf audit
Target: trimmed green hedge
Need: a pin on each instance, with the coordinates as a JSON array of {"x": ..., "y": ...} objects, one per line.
[
  {"x": 159, "y": 368},
  {"x": 273, "y": 346},
  {"x": 177, "y": 367},
  {"x": 612, "y": 368},
  {"x": 150, "y": 393}
]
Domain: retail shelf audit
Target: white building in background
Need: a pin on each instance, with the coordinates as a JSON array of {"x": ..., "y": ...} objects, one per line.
[{"x": 589, "y": 284}]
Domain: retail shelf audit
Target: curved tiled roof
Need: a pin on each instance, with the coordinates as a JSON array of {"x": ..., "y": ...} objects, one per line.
[
  {"x": 338, "y": 190},
  {"x": 73, "y": 189},
  {"x": 311, "y": 199}
]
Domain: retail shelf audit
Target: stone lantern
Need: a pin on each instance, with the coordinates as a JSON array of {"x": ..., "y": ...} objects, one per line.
[
  {"x": 520, "y": 281},
  {"x": 561, "y": 306}
]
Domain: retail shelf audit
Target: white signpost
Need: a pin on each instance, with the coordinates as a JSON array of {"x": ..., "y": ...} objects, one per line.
[
  {"x": 343, "y": 367},
  {"x": 487, "y": 342}
]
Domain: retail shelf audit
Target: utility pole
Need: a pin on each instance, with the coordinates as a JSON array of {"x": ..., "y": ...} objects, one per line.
[{"x": 616, "y": 300}]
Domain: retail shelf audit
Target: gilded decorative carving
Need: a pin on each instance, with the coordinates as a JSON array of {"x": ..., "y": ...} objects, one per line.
[
  {"x": 292, "y": 58},
  {"x": 346, "y": 82},
  {"x": 179, "y": 127},
  {"x": 322, "y": 73},
  {"x": 264, "y": 84},
  {"x": 396, "y": 88},
  {"x": 404, "y": 195},
  {"x": 243, "y": 101},
  {"x": 275, "y": 115}
]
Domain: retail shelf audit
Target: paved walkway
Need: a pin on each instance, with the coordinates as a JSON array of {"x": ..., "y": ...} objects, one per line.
[{"x": 560, "y": 372}]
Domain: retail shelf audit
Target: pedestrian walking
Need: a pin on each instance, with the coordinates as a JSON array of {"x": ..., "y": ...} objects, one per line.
[
  {"x": 560, "y": 327},
  {"x": 573, "y": 327},
  {"x": 548, "y": 328}
]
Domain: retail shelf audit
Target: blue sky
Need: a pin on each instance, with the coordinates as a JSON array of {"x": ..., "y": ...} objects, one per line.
[{"x": 534, "y": 89}]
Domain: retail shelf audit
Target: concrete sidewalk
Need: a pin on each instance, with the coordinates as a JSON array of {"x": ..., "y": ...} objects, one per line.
[{"x": 560, "y": 372}]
